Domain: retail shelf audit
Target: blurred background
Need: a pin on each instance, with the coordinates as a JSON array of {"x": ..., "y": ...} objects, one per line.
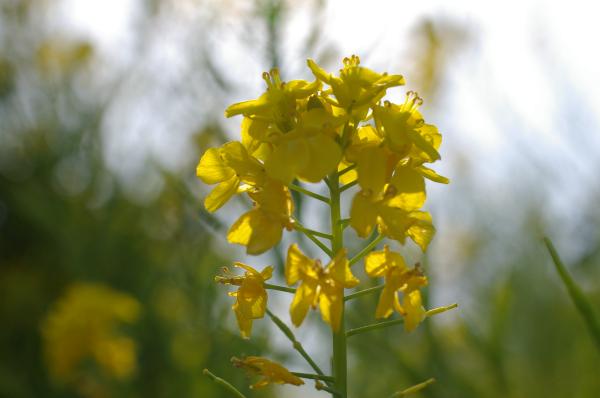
[{"x": 107, "y": 257}]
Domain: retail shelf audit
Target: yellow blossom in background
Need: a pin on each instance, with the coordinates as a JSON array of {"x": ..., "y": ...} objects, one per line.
[
  {"x": 271, "y": 372},
  {"x": 398, "y": 278},
  {"x": 84, "y": 325},
  {"x": 319, "y": 286},
  {"x": 251, "y": 297}
]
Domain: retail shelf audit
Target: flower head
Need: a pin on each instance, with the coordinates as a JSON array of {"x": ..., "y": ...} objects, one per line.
[
  {"x": 319, "y": 286},
  {"x": 271, "y": 372},
  {"x": 251, "y": 297},
  {"x": 398, "y": 278}
]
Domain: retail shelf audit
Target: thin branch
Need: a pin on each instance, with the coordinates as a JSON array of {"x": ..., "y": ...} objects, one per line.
[
  {"x": 348, "y": 186},
  {"x": 306, "y": 192},
  {"x": 313, "y": 377},
  {"x": 363, "y": 292},
  {"x": 279, "y": 288},
  {"x": 413, "y": 389},
  {"x": 295, "y": 343},
  {"x": 367, "y": 249},
  {"x": 224, "y": 383},
  {"x": 313, "y": 232},
  {"x": 347, "y": 169},
  {"x": 581, "y": 302},
  {"x": 321, "y": 387},
  {"x": 299, "y": 227},
  {"x": 374, "y": 326}
]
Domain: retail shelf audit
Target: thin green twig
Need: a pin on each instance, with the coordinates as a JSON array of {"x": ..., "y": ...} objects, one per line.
[
  {"x": 224, "y": 383},
  {"x": 299, "y": 227},
  {"x": 313, "y": 376},
  {"x": 295, "y": 343},
  {"x": 320, "y": 386},
  {"x": 345, "y": 170},
  {"x": 374, "y": 326},
  {"x": 581, "y": 302},
  {"x": 306, "y": 192},
  {"x": 348, "y": 186},
  {"x": 413, "y": 389},
  {"x": 367, "y": 249},
  {"x": 363, "y": 292},
  {"x": 279, "y": 288}
]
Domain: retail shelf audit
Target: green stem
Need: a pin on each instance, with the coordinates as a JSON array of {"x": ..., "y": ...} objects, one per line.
[
  {"x": 348, "y": 186},
  {"x": 300, "y": 228},
  {"x": 306, "y": 192},
  {"x": 374, "y": 326},
  {"x": 363, "y": 292},
  {"x": 312, "y": 376},
  {"x": 367, "y": 249},
  {"x": 413, "y": 389},
  {"x": 279, "y": 288},
  {"x": 347, "y": 169},
  {"x": 295, "y": 343},
  {"x": 581, "y": 302},
  {"x": 340, "y": 360},
  {"x": 224, "y": 383}
]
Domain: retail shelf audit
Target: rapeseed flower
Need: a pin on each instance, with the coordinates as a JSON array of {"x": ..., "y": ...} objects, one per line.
[
  {"x": 319, "y": 286},
  {"x": 271, "y": 372},
  {"x": 251, "y": 296},
  {"x": 398, "y": 278}
]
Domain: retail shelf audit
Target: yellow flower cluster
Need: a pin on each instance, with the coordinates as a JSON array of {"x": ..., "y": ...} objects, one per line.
[
  {"x": 271, "y": 372},
  {"x": 83, "y": 325},
  {"x": 337, "y": 126}
]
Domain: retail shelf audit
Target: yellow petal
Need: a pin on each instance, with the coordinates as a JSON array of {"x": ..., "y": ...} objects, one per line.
[
  {"x": 432, "y": 175},
  {"x": 415, "y": 313},
  {"x": 376, "y": 264},
  {"x": 372, "y": 168},
  {"x": 348, "y": 176},
  {"x": 339, "y": 270},
  {"x": 221, "y": 194},
  {"x": 408, "y": 189},
  {"x": 385, "y": 306},
  {"x": 303, "y": 299},
  {"x": 421, "y": 230},
  {"x": 319, "y": 72},
  {"x": 324, "y": 154},
  {"x": 255, "y": 230},
  {"x": 286, "y": 159},
  {"x": 252, "y": 298},
  {"x": 330, "y": 304},
  {"x": 244, "y": 324},
  {"x": 248, "y": 108},
  {"x": 296, "y": 265},
  {"x": 211, "y": 168},
  {"x": 363, "y": 215}
]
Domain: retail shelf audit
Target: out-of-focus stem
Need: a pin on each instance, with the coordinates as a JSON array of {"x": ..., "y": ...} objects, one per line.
[
  {"x": 581, "y": 302},
  {"x": 224, "y": 383}
]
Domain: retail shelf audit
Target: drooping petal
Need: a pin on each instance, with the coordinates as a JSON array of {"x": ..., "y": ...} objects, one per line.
[
  {"x": 363, "y": 215},
  {"x": 211, "y": 169},
  {"x": 415, "y": 313},
  {"x": 385, "y": 306},
  {"x": 255, "y": 230},
  {"x": 421, "y": 230},
  {"x": 303, "y": 299},
  {"x": 408, "y": 189},
  {"x": 221, "y": 194},
  {"x": 319, "y": 72},
  {"x": 297, "y": 265},
  {"x": 331, "y": 303},
  {"x": 371, "y": 167},
  {"x": 432, "y": 175},
  {"x": 339, "y": 270}
]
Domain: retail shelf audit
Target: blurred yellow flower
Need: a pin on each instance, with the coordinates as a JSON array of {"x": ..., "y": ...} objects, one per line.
[
  {"x": 271, "y": 372},
  {"x": 398, "y": 277},
  {"x": 83, "y": 324},
  {"x": 322, "y": 286},
  {"x": 251, "y": 297}
]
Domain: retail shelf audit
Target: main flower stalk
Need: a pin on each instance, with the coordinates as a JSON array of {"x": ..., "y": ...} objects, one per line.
[{"x": 340, "y": 362}]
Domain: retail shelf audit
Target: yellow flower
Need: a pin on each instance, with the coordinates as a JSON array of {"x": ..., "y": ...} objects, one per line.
[
  {"x": 356, "y": 87},
  {"x": 278, "y": 105},
  {"x": 261, "y": 228},
  {"x": 322, "y": 286},
  {"x": 309, "y": 151},
  {"x": 251, "y": 297},
  {"x": 228, "y": 166},
  {"x": 272, "y": 372},
  {"x": 398, "y": 277},
  {"x": 394, "y": 207},
  {"x": 83, "y": 325},
  {"x": 405, "y": 131}
]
